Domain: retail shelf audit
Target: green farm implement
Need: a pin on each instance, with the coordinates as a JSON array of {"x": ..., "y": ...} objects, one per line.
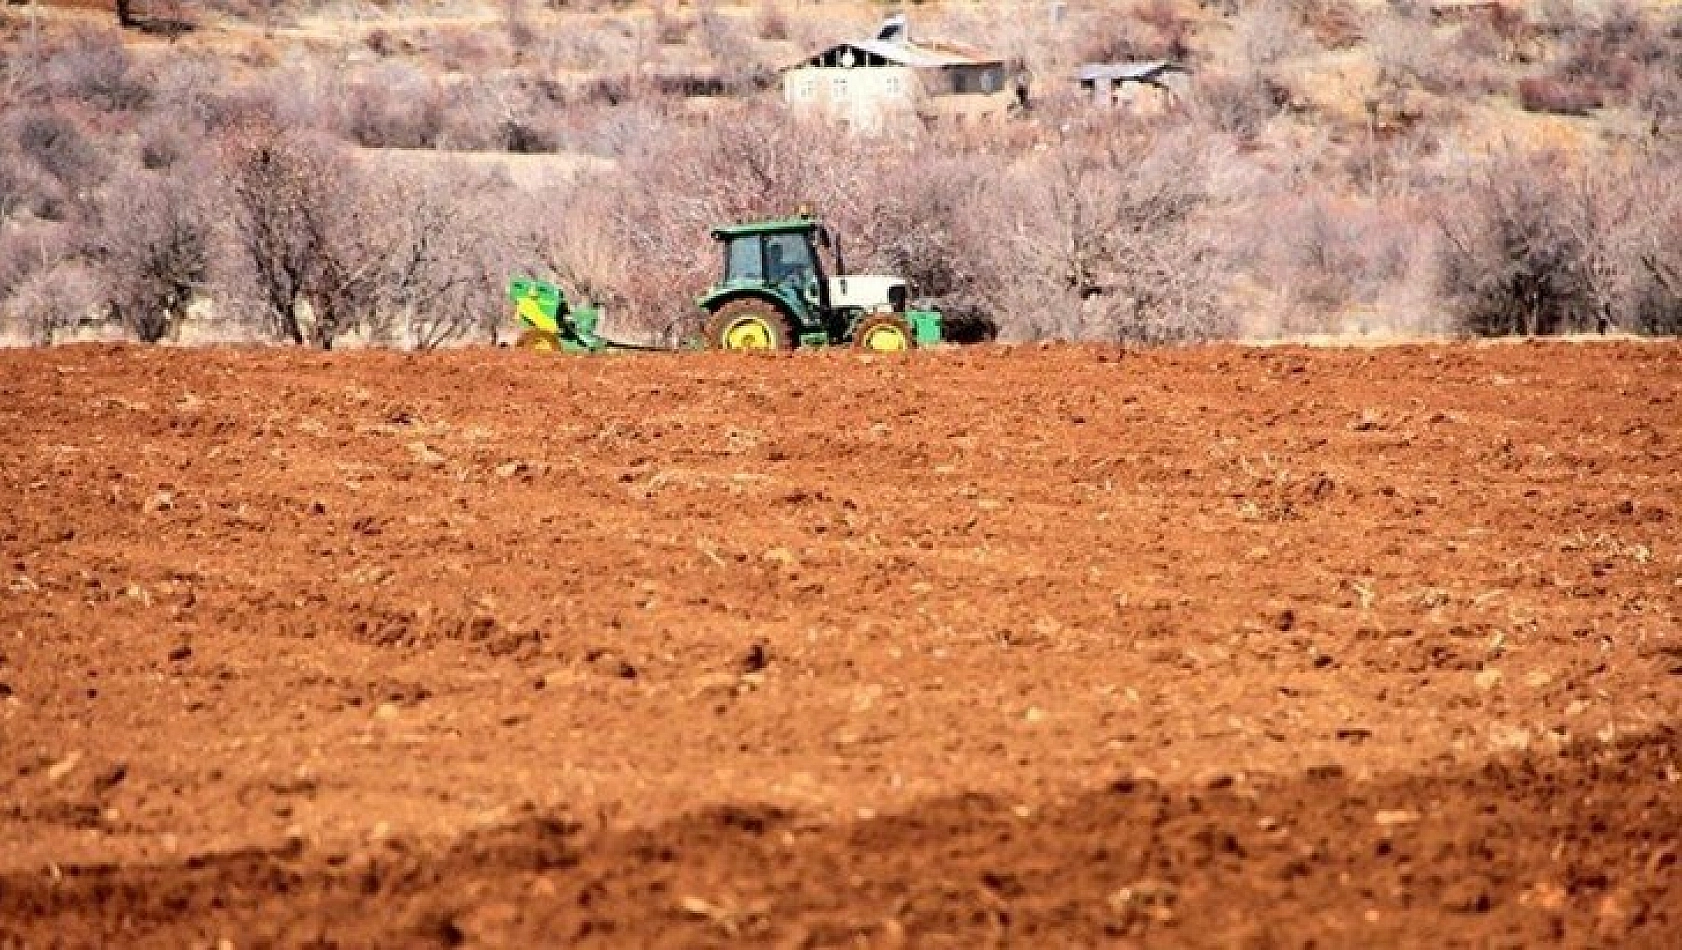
[
  {"x": 784, "y": 286},
  {"x": 548, "y": 322}
]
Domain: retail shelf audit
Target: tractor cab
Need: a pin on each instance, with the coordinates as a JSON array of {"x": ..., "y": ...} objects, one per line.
[
  {"x": 777, "y": 293},
  {"x": 785, "y": 262}
]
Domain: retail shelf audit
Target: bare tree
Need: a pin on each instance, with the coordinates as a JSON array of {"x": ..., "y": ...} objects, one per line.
[
  {"x": 1555, "y": 244},
  {"x": 153, "y": 247},
  {"x": 1509, "y": 264},
  {"x": 286, "y": 191},
  {"x": 1104, "y": 238},
  {"x": 437, "y": 259}
]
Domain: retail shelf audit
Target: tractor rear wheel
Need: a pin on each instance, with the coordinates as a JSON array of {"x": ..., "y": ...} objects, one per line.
[
  {"x": 749, "y": 323},
  {"x": 884, "y": 333}
]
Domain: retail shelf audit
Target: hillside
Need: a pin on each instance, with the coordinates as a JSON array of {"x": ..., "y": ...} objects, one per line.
[{"x": 1331, "y": 167}]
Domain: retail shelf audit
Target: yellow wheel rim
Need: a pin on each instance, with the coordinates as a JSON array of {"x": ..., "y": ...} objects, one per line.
[
  {"x": 749, "y": 333},
  {"x": 886, "y": 339},
  {"x": 538, "y": 341}
]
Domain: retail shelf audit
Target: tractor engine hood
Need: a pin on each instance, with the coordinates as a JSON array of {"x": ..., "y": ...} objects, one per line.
[{"x": 867, "y": 292}]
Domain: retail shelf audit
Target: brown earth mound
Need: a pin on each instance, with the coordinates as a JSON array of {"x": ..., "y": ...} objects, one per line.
[{"x": 1039, "y": 647}]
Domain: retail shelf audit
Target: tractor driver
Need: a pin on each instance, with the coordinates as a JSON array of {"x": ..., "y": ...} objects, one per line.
[{"x": 779, "y": 269}]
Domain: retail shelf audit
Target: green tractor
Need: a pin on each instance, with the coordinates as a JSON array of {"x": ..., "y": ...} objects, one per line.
[{"x": 776, "y": 295}]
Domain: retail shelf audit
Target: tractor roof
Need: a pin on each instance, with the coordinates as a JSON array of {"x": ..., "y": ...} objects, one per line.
[{"x": 772, "y": 226}]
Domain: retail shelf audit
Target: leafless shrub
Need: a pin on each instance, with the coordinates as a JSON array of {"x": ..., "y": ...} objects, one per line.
[
  {"x": 166, "y": 140},
  {"x": 25, "y": 188},
  {"x": 1409, "y": 54},
  {"x": 771, "y": 21},
  {"x": 670, "y": 29},
  {"x": 1335, "y": 23},
  {"x": 1556, "y": 18},
  {"x": 1266, "y": 33},
  {"x": 585, "y": 50},
  {"x": 1508, "y": 265},
  {"x": 191, "y": 90},
  {"x": 722, "y": 39},
  {"x": 264, "y": 13},
  {"x": 1156, "y": 29},
  {"x": 1334, "y": 257},
  {"x": 153, "y": 248},
  {"x": 286, "y": 191},
  {"x": 1237, "y": 104},
  {"x": 393, "y": 107},
  {"x": 1542, "y": 248},
  {"x": 1121, "y": 41},
  {"x": 1558, "y": 95},
  {"x": 51, "y": 301},
  {"x": 465, "y": 50},
  {"x": 439, "y": 258},
  {"x": 1104, "y": 239},
  {"x": 28, "y": 246},
  {"x": 57, "y": 143},
  {"x": 516, "y": 23},
  {"x": 381, "y": 43},
  {"x": 509, "y": 113},
  {"x": 96, "y": 69},
  {"x": 1172, "y": 28},
  {"x": 55, "y": 162},
  {"x": 1505, "y": 34},
  {"x": 1625, "y": 55},
  {"x": 1655, "y": 247},
  {"x": 1658, "y": 95}
]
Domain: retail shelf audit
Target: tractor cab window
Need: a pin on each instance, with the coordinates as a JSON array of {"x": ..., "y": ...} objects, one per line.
[
  {"x": 743, "y": 262},
  {"x": 788, "y": 259}
]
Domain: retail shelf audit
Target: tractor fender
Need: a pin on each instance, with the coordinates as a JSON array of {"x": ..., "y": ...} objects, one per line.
[{"x": 713, "y": 301}]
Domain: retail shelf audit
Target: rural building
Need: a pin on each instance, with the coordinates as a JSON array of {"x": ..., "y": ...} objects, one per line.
[
  {"x": 863, "y": 83},
  {"x": 1140, "y": 88}
]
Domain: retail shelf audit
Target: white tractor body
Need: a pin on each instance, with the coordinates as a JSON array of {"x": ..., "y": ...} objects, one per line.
[{"x": 865, "y": 291}]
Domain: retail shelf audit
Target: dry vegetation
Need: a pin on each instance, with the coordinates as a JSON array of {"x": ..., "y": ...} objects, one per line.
[{"x": 1338, "y": 167}]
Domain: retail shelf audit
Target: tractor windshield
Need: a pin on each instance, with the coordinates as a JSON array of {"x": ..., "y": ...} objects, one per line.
[{"x": 788, "y": 259}]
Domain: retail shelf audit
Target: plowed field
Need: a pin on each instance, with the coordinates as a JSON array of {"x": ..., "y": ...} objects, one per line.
[{"x": 1028, "y": 647}]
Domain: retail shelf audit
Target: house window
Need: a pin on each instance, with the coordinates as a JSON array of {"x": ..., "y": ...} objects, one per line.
[
  {"x": 806, "y": 88},
  {"x": 892, "y": 85},
  {"x": 838, "y": 87}
]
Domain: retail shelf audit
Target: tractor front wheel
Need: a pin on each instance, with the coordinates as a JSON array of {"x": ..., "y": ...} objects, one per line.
[
  {"x": 749, "y": 324},
  {"x": 884, "y": 333}
]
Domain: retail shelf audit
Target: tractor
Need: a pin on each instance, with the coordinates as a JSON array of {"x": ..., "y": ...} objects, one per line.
[{"x": 775, "y": 295}]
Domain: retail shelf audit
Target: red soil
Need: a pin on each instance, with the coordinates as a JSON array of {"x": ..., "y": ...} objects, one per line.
[{"x": 1040, "y": 647}]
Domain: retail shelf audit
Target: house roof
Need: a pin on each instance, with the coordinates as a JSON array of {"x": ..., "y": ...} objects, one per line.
[
  {"x": 918, "y": 55},
  {"x": 893, "y": 46},
  {"x": 1127, "y": 72}
]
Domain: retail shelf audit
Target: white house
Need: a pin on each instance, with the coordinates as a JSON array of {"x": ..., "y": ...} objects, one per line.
[{"x": 863, "y": 83}]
